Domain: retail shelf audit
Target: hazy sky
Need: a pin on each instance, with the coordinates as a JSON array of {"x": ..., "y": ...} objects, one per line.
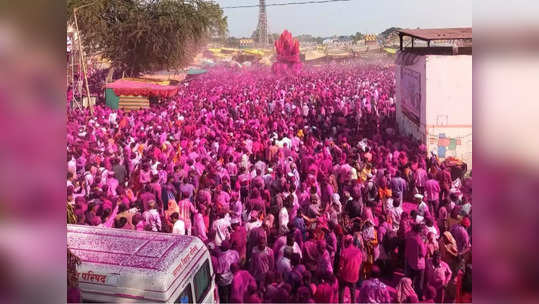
[{"x": 343, "y": 18}]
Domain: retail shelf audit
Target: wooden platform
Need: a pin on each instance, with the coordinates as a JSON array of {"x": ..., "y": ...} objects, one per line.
[{"x": 133, "y": 102}]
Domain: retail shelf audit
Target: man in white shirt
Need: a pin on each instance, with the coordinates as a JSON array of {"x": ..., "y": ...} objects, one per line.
[
  {"x": 283, "y": 219},
  {"x": 254, "y": 221},
  {"x": 268, "y": 177},
  {"x": 422, "y": 207},
  {"x": 416, "y": 217},
  {"x": 89, "y": 180},
  {"x": 466, "y": 208},
  {"x": 429, "y": 226},
  {"x": 305, "y": 110},
  {"x": 112, "y": 118},
  {"x": 179, "y": 225},
  {"x": 394, "y": 209},
  {"x": 72, "y": 167},
  {"x": 151, "y": 216},
  {"x": 285, "y": 142},
  {"x": 222, "y": 228},
  {"x": 69, "y": 179},
  {"x": 284, "y": 265},
  {"x": 260, "y": 165},
  {"x": 290, "y": 244}
]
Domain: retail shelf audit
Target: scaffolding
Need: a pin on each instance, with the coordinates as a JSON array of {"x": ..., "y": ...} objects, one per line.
[
  {"x": 74, "y": 71},
  {"x": 77, "y": 75},
  {"x": 262, "y": 28}
]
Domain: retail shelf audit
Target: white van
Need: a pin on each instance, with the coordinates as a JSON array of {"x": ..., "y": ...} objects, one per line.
[{"x": 121, "y": 265}]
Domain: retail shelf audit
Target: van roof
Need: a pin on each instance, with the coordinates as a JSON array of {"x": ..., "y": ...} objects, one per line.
[{"x": 128, "y": 248}]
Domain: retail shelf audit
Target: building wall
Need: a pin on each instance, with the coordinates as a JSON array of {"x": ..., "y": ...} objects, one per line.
[
  {"x": 449, "y": 90},
  {"x": 451, "y": 141},
  {"x": 445, "y": 118},
  {"x": 449, "y": 106},
  {"x": 407, "y": 126}
]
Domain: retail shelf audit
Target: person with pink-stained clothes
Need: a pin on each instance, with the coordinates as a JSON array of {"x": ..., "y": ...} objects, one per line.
[
  {"x": 373, "y": 290},
  {"x": 415, "y": 253},
  {"x": 186, "y": 209},
  {"x": 261, "y": 261},
  {"x": 432, "y": 193},
  {"x": 199, "y": 227},
  {"x": 349, "y": 267},
  {"x": 241, "y": 283},
  {"x": 438, "y": 274}
]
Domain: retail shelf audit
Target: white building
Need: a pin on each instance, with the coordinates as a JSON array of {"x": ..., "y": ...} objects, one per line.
[{"x": 434, "y": 92}]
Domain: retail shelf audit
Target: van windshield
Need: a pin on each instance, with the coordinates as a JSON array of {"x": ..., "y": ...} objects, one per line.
[
  {"x": 202, "y": 281},
  {"x": 186, "y": 296}
]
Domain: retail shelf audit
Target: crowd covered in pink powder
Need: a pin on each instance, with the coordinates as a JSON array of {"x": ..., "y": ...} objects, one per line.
[{"x": 301, "y": 186}]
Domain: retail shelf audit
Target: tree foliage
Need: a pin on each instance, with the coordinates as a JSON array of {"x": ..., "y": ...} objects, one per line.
[
  {"x": 146, "y": 35},
  {"x": 232, "y": 42},
  {"x": 388, "y": 32},
  {"x": 358, "y": 36}
]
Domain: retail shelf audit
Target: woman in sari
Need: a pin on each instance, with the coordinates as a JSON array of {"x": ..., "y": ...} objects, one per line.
[
  {"x": 405, "y": 291},
  {"x": 384, "y": 191},
  {"x": 333, "y": 182},
  {"x": 443, "y": 216},
  {"x": 449, "y": 250},
  {"x": 432, "y": 244},
  {"x": 172, "y": 207},
  {"x": 370, "y": 240}
]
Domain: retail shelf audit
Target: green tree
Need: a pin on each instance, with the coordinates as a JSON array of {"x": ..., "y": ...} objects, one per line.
[
  {"x": 358, "y": 36},
  {"x": 388, "y": 31},
  {"x": 147, "y": 35},
  {"x": 318, "y": 40},
  {"x": 305, "y": 38},
  {"x": 232, "y": 42}
]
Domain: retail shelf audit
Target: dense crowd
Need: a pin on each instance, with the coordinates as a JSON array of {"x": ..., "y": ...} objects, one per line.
[{"x": 300, "y": 186}]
